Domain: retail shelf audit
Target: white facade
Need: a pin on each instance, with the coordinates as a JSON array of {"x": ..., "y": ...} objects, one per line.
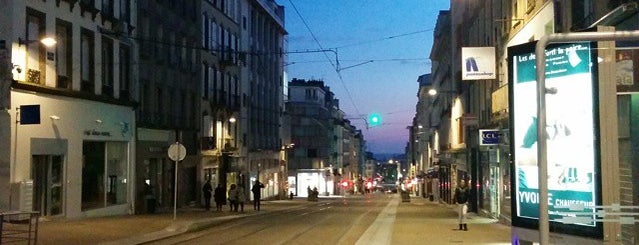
[
  {"x": 65, "y": 126},
  {"x": 77, "y": 160}
]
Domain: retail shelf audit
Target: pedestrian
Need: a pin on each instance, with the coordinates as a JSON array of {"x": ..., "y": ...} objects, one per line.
[
  {"x": 257, "y": 194},
  {"x": 233, "y": 197},
  {"x": 206, "y": 193},
  {"x": 461, "y": 198},
  {"x": 150, "y": 198},
  {"x": 241, "y": 197},
  {"x": 290, "y": 196},
  {"x": 219, "y": 196}
]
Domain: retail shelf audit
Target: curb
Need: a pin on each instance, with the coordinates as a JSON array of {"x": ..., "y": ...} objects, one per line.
[{"x": 183, "y": 227}]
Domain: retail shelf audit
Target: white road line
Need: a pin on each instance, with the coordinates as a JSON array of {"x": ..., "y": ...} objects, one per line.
[{"x": 381, "y": 231}]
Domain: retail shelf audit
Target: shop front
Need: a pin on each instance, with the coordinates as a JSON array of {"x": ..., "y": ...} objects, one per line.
[{"x": 71, "y": 159}]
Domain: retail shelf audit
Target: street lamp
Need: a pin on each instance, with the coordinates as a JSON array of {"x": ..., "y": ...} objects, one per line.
[
  {"x": 433, "y": 92},
  {"x": 47, "y": 41}
]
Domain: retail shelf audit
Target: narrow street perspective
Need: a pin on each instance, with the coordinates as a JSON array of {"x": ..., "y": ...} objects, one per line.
[{"x": 350, "y": 122}]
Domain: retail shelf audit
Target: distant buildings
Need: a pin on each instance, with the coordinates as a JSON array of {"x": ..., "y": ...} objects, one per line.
[{"x": 327, "y": 148}]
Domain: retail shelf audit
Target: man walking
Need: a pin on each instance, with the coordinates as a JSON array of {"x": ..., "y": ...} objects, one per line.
[
  {"x": 257, "y": 195},
  {"x": 206, "y": 194}
]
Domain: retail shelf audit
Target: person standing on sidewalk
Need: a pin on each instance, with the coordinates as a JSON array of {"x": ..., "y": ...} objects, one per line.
[
  {"x": 219, "y": 196},
  {"x": 241, "y": 197},
  {"x": 461, "y": 198},
  {"x": 233, "y": 198},
  {"x": 206, "y": 193},
  {"x": 257, "y": 194}
]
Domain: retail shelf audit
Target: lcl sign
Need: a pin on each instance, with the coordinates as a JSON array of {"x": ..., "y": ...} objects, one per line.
[{"x": 488, "y": 137}]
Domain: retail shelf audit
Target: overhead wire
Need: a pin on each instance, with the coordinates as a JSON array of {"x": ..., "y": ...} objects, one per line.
[
  {"x": 336, "y": 66},
  {"x": 384, "y": 39}
]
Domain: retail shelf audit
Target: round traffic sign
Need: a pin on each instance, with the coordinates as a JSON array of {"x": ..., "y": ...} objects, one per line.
[{"x": 177, "y": 151}]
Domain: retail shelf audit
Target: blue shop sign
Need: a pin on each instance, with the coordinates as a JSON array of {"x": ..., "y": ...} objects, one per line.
[{"x": 488, "y": 137}]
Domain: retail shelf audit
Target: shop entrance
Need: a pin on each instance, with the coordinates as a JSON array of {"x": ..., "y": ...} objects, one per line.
[
  {"x": 47, "y": 174},
  {"x": 494, "y": 191}
]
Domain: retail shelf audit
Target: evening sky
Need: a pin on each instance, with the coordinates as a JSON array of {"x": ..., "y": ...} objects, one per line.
[{"x": 382, "y": 48}]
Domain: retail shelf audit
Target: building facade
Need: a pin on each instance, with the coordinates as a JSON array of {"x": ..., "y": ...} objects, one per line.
[
  {"x": 327, "y": 148},
  {"x": 483, "y": 104},
  {"x": 168, "y": 102},
  {"x": 263, "y": 79},
  {"x": 221, "y": 106},
  {"x": 68, "y": 117}
]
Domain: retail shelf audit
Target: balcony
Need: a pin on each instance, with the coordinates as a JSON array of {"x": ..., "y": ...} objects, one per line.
[
  {"x": 88, "y": 6},
  {"x": 87, "y": 86},
  {"x": 107, "y": 90},
  {"x": 63, "y": 82},
  {"x": 222, "y": 99}
]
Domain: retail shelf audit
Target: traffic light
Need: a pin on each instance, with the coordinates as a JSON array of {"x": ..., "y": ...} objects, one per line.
[{"x": 374, "y": 119}]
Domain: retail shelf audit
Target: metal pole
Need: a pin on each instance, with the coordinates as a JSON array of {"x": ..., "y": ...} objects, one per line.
[
  {"x": 544, "y": 226},
  {"x": 541, "y": 109},
  {"x": 175, "y": 184}
]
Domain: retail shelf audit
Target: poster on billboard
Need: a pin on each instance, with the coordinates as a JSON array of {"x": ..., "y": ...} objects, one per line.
[
  {"x": 570, "y": 131},
  {"x": 478, "y": 63}
]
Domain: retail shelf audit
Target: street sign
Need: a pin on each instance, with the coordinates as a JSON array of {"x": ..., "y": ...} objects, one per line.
[
  {"x": 488, "y": 137},
  {"x": 177, "y": 151}
]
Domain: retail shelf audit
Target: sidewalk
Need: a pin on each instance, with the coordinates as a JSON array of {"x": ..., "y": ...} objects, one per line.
[
  {"x": 421, "y": 221},
  {"x": 418, "y": 222},
  {"x": 136, "y": 229}
]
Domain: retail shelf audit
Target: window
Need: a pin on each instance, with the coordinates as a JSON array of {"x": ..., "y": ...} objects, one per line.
[
  {"x": 107, "y": 8},
  {"x": 183, "y": 53},
  {"x": 232, "y": 42},
  {"x": 125, "y": 10},
  {"x": 86, "y": 59},
  {"x": 212, "y": 79},
  {"x": 205, "y": 33},
  {"x": 144, "y": 102},
  {"x": 158, "y": 117},
  {"x": 36, "y": 53},
  {"x": 158, "y": 45},
  {"x": 212, "y": 38},
  {"x": 205, "y": 81},
  {"x": 99, "y": 189},
  {"x": 172, "y": 50},
  {"x": 63, "y": 54},
  {"x": 107, "y": 66},
  {"x": 244, "y": 22},
  {"x": 125, "y": 72},
  {"x": 308, "y": 94},
  {"x": 183, "y": 108}
]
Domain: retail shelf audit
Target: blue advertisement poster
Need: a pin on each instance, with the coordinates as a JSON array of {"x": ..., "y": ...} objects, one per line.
[{"x": 570, "y": 131}]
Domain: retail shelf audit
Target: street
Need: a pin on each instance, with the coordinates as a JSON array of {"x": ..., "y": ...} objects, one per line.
[{"x": 370, "y": 219}]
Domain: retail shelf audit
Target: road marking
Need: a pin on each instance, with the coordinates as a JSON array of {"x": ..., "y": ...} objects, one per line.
[{"x": 381, "y": 231}]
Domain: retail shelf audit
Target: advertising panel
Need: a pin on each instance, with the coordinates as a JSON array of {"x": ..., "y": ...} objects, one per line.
[
  {"x": 478, "y": 63},
  {"x": 571, "y": 129}
]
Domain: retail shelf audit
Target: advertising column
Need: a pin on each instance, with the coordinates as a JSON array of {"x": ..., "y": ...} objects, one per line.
[{"x": 573, "y": 163}]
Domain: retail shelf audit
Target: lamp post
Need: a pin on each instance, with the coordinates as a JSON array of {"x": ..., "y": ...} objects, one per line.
[
  {"x": 433, "y": 92},
  {"x": 47, "y": 41}
]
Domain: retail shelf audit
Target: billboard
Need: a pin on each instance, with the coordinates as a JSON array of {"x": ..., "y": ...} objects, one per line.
[
  {"x": 571, "y": 129},
  {"x": 478, "y": 63}
]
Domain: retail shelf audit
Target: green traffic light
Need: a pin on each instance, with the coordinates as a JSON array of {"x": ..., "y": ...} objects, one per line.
[{"x": 374, "y": 119}]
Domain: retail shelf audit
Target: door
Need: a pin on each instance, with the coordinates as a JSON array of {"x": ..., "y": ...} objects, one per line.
[
  {"x": 47, "y": 174},
  {"x": 494, "y": 191}
]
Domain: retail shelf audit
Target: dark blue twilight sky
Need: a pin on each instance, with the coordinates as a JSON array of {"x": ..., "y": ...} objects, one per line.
[{"x": 382, "y": 46}]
